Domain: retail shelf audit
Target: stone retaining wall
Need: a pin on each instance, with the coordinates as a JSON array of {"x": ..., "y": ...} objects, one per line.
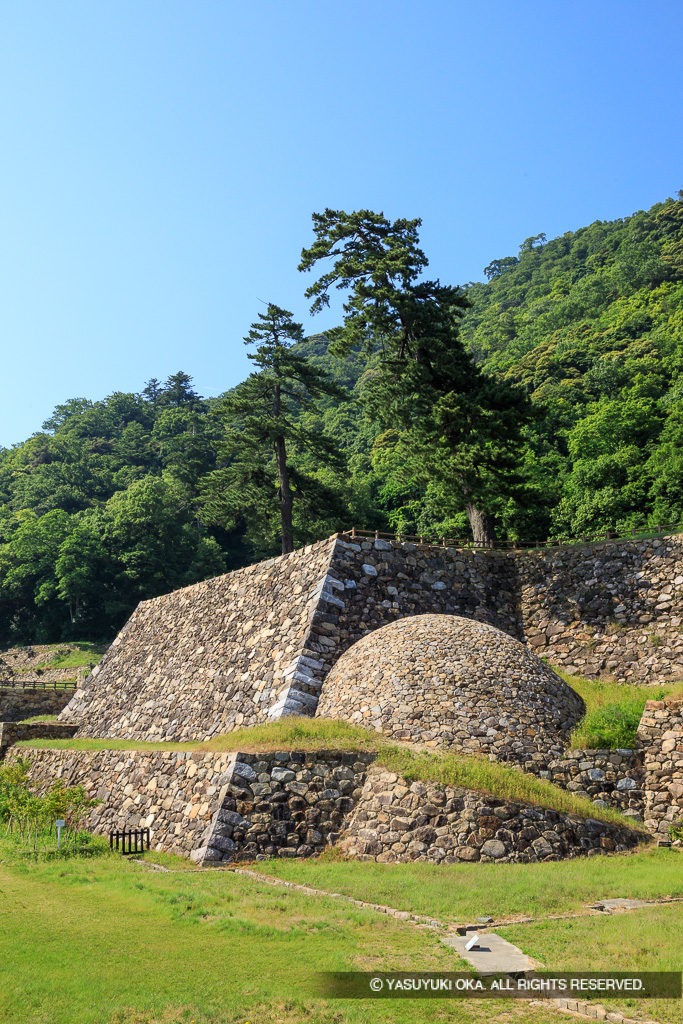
[
  {"x": 396, "y": 820},
  {"x": 14, "y": 732},
  {"x": 173, "y": 793},
  {"x": 284, "y": 804},
  {"x": 660, "y": 738},
  {"x": 16, "y": 704},
  {"x": 613, "y": 608},
  {"x": 219, "y": 807},
  {"x": 610, "y": 778}
]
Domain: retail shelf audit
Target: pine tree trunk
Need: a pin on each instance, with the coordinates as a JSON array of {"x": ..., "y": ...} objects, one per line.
[
  {"x": 481, "y": 523},
  {"x": 285, "y": 492},
  {"x": 286, "y": 499}
]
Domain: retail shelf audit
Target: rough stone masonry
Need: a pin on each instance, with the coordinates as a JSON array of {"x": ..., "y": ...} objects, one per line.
[
  {"x": 222, "y": 807},
  {"x": 258, "y": 643}
]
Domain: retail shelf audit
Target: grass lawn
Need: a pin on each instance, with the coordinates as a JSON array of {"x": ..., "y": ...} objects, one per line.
[
  {"x": 463, "y": 892},
  {"x": 650, "y": 939},
  {"x": 102, "y": 941}
]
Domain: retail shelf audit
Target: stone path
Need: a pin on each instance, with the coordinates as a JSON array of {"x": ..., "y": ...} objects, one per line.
[
  {"x": 619, "y": 904},
  {"x": 491, "y": 955}
]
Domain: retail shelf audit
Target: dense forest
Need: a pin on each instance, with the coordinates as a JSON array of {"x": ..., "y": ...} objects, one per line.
[{"x": 544, "y": 403}]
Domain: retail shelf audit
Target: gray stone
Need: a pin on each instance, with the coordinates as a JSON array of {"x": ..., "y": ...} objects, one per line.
[{"x": 493, "y": 848}]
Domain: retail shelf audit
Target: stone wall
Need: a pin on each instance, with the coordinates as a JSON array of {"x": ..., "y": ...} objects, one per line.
[
  {"x": 219, "y": 807},
  {"x": 613, "y": 608},
  {"x": 18, "y": 703},
  {"x": 660, "y": 740},
  {"x": 15, "y": 732},
  {"x": 396, "y": 820},
  {"x": 173, "y": 793},
  {"x": 284, "y": 804},
  {"x": 610, "y": 778},
  {"x": 211, "y": 657},
  {"x": 259, "y": 642}
]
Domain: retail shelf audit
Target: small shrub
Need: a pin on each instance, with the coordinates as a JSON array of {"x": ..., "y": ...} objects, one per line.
[
  {"x": 30, "y": 816},
  {"x": 676, "y": 830}
]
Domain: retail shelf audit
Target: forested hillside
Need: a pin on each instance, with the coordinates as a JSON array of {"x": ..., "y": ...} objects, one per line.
[{"x": 125, "y": 498}]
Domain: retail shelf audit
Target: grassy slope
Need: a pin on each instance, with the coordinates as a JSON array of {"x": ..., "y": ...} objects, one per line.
[
  {"x": 613, "y": 710},
  {"x": 445, "y": 768},
  {"x": 104, "y": 942}
]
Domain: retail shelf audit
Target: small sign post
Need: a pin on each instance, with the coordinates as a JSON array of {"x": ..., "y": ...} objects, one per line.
[{"x": 60, "y": 823}]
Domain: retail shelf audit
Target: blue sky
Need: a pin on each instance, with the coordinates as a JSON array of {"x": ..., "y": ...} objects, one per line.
[{"x": 161, "y": 160}]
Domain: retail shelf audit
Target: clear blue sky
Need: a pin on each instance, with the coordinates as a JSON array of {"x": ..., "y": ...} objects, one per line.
[{"x": 161, "y": 160}]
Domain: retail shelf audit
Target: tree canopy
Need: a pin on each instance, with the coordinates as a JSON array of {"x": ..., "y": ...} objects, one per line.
[{"x": 554, "y": 390}]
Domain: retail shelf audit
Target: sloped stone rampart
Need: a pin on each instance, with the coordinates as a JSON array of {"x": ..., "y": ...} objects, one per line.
[
  {"x": 211, "y": 657},
  {"x": 17, "y": 703},
  {"x": 660, "y": 740},
  {"x": 220, "y": 807},
  {"x": 259, "y": 642},
  {"x": 396, "y": 820},
  {"x": 455, "y": 682}
]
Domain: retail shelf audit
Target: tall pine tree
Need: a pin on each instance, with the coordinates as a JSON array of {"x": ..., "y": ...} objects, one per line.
[
  {"x": 267, "y": 445},
  {"x": 461, "y": 427}
]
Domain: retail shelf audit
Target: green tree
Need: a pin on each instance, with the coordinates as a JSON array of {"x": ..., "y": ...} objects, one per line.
[
  {"x": 177, "y": 391},
  {"x": 268, "y": 445},
  {"x": 462, "y": 427}
]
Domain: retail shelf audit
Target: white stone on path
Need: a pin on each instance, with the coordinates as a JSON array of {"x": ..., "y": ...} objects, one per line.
[{"x": 491, "y": 955}]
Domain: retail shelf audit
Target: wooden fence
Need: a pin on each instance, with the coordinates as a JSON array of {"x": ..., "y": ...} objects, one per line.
[{"x": 462, "y": 542}]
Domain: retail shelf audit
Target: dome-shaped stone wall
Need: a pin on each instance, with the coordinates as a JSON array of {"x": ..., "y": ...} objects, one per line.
[{"x": 449, "y": 681}]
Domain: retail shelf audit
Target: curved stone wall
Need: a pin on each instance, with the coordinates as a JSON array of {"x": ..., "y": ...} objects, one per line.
[{"x": 446, "y": 680}]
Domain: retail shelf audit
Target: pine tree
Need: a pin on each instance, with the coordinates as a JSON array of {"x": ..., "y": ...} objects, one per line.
[
  {"x": 267, "y": 442},
  {"x": 461, "y": 427}
]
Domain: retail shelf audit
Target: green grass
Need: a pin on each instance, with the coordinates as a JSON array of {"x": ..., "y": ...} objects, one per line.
[
  {"x": 106, "y": 942},
  {"x": 463, "y": 892},
  {"x": 85, "y": 654},
  {"x": 450, "y": 769},
  {"x": 39, "y": 718},
  {"x": 650, "y": 939},
  {"x": 103, "y": 941},
  {"x": 613, "y": 710}
]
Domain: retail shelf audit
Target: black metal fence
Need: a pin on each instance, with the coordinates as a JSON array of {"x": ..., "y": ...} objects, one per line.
[{"x": 134, "y": 840}]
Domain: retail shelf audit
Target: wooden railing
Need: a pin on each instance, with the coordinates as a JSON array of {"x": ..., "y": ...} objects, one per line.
[
  {"x": 462, "y": 542},
  {"x": 35, "y": 684}
]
